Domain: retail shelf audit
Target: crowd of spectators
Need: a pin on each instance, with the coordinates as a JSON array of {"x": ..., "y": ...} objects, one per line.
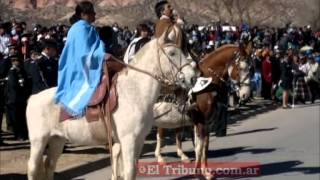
[{"x": 285, "y": 61}]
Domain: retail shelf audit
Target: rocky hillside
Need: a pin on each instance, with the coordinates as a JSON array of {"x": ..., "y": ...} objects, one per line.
[{"x": 131, "y": 12}]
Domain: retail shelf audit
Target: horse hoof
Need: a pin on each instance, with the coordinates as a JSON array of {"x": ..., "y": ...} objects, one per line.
[
  {"x": 185, "y": 160},
  {"x": 161, "y": 160},
  {"x": 210, "y": 177}
]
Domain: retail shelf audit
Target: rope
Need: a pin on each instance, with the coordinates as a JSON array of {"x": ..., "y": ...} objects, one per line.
[{"x": 162, "y": 80}]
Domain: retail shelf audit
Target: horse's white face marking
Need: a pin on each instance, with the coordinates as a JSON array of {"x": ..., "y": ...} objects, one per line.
[{"x": 244, "y": 73}]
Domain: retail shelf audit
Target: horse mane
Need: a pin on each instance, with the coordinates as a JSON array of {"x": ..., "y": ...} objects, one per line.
[
  {"x": 218, "y": 57},
  {"x": 219, "y": 50}
]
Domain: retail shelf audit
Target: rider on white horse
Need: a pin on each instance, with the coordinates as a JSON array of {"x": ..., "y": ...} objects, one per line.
[
  {"x": 168, "y": 21},
  {"x": 81, "y": 62}
]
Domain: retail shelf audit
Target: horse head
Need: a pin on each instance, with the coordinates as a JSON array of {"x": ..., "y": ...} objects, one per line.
[
  {"x": 230, "y": 61},
  {"x": 243, "y": 65},
  {"x": 174, "y": 67}
]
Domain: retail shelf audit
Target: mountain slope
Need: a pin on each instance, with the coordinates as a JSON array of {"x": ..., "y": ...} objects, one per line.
[{"x": 131, "y": 12}]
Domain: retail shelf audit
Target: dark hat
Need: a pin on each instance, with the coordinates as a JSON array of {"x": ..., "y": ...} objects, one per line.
[{"x": 48, "y": 43}]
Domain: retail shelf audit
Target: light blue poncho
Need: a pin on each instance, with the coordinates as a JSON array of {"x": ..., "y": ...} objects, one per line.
[{"x": 80, "y": 68}]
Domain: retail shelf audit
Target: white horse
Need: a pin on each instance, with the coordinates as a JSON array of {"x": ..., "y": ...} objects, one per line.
[
  {"x": 132, "y": 120},
  {"x": 169, "y": 115}
]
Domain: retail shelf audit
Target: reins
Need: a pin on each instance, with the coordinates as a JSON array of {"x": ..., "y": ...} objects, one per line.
[{"x": 161, "y": 79}]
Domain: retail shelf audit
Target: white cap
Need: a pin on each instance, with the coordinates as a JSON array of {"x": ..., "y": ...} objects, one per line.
[
  {"x": 24, "y": 39},
  {"x": 40, "y": 36}
]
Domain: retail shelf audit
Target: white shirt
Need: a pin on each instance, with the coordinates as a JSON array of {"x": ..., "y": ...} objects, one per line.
[
  {"x": 128, "y": 56},
  {"x": 4, "y": 44},
  {"x": 314, "y": 72},
  {"x": 304, "y": 68}
]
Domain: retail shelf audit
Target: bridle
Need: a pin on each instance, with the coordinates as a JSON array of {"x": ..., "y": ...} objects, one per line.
[
  {"x": 175, "y": 76},
  {"x": 228, "y": 69},
  {"x": 247, "y": 76},
  {"x": 163, "y": 78}
]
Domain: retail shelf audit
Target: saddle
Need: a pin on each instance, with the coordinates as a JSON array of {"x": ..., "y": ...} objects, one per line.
[{"x": 105, "y": 98}]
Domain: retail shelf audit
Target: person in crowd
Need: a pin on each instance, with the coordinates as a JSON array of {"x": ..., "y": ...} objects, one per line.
[
  {"x": 142, "y": 36},
  {"x": 109, "y": 38},
  {"x": 301, "y": 88},
  {"x": 4, "y": 69},
  {"x": 25, "y": 46},
  {"x": 266, "y": 74},
  {"x": 257, "y": 72},
  {"x": 7, "y": 64},
  {"x": 5, "y": 40},
  {"x": 16, "y": 98},
  {"x": 275, "y": 59},
  {"x": 286, "y": 77},
  {"x": 313, "y": 78},
  {"x": 48, "y": 65},
  {"x": 35, "y": 76}
]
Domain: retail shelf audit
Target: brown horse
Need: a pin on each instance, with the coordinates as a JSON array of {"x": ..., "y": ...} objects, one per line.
[
  {"x": 225, "y": 61},
  {"x": 229, "y": 62}
]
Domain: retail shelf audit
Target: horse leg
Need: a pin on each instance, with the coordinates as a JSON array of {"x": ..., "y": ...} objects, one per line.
[
  {"x": 180, "y": 153},
  {"x": 157, "y": 152},
  {"x": 205, "y": 149},
  {"x": 35, "y": 162},
  {"x": 204, "y": 157},
  {"x": 116, "y": 161},
  {"x": 198, "y": 138},
  {"x": 129, "y": 159},
  {"x": 55, "y": 149}
]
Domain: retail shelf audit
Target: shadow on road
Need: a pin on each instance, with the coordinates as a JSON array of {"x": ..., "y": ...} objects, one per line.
[
  {"x": 249, "y": 110},
  {"x": 236, "y": 117},
  {"x": 86, "y": 151},
  {"x": 83, "y": 169},
  {"x": 286, "y": 167},
  {"x": 252, "y": 131},
  {"x": 219, "y": 152},
  {"x": 307, "y": 105},
  {"x": 67, "y": 174},
  {"x": 13, "y": 177}
]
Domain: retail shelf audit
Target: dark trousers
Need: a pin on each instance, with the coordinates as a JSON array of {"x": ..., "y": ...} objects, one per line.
[
  {"x": 266, "y": 89},
  {"x": 314, "y": 89},
  {"x": 221, "y": 119},
  {"x": 16, "y": 114},
  {"x": 2, "y": 104}
]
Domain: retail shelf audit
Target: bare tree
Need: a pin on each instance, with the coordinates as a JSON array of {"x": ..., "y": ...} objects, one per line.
[{"x": 228, "y": 4}]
